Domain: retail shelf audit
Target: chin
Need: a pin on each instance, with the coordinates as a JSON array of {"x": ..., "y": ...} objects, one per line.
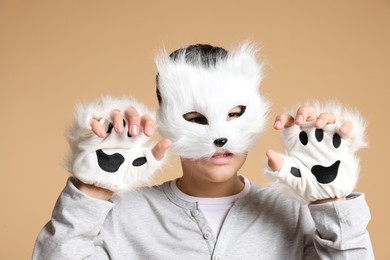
[
  {"x": 222, "y": 178},
  {"x": 221, "y": 173}
]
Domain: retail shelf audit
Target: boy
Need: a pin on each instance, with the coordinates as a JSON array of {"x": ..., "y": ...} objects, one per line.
[{"x": 210, "y": 114}]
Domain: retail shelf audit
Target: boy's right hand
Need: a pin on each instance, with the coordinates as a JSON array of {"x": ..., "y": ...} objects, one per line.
[
  {"x": 109, "y": 151},
  {"x": 135, "y": 122}
]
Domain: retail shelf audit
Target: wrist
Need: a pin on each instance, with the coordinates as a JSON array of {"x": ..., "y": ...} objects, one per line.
[
  {"x": 93, "y": 191},
  {"x": 328, "y": 200}
]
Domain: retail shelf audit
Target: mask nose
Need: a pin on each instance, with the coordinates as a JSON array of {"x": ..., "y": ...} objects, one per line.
[{"x": 220, "y": 142}]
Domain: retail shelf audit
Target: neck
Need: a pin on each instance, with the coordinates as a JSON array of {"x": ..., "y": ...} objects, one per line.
[{"x": 206, "y": 189}]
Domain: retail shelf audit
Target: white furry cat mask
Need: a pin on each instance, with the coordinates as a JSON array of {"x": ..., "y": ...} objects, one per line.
[{"x": 220, "y": 89}]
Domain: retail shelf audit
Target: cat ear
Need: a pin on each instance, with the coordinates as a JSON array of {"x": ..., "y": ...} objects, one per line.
[
  {"x": 171, "y": 73},
  {"x": 163, "y": 62},
  {"x": 242, "y": 60}
]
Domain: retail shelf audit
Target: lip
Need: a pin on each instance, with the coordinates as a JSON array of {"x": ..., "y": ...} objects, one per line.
[{"x": 222, "y": 157}]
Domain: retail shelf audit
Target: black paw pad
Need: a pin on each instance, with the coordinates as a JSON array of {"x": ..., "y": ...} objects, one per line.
[
  {"x": 109, "y": 163},
  {"x": 295, "y": 171},
  {"x": 319, "y": 133},
  {"x": 303, "y": 138},
  {"x": 139, "y": 161},
  {"x": 324, "y": 174},
  {"x": 336, "y": 140}
]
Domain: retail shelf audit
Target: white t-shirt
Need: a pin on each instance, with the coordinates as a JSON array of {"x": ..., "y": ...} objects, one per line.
[{"x": 214, "y": 209}]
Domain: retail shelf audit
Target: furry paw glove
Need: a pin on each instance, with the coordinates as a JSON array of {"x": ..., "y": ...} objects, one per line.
[
  {"x": 116, "y": 162},
  {"x": 319, "y": 163}
]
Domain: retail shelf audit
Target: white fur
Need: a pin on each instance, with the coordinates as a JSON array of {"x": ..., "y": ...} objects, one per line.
[
  {"x": 304, "y": 157},
  {"x": 213, "y": 92},
  {"x": 100, "y": 110},
  {"x": 82, "y": 159}
]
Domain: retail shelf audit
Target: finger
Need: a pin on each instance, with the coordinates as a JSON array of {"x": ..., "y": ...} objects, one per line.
[
  {"x": 117, "y": 121},
  {"x": 345, "y": 128},
  {"x": 161, "y": 148},
  {"x": 133, "y": 120},
  {"x": 147, "y": 124},
  {"x": 324, "y": 119},
  {"x": 97, "y": 128},
  {"x": 275, "y": 162},
  {"x": 282, "y": 121},
  {"x": 305, "y": 113}
]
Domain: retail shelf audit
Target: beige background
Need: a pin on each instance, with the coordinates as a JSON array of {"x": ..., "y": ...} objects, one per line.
[{"x": 55, "y": 53}]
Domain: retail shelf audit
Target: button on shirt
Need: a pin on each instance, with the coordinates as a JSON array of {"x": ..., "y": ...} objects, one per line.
[{"x": 214, "y": 209}]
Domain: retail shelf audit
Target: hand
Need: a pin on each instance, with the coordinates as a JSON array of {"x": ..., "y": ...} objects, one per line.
[
  {"x": 314, "y": 168},
  {"x": 135, "y": 122},
  {"x": 112, "y": 152},
  {"x": 304, "y": 114}
]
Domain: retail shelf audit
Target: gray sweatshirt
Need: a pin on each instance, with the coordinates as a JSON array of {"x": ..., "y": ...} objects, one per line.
[{"x": 153, "y": 223}]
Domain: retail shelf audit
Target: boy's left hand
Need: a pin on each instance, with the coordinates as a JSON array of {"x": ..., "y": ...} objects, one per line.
[{"x": 320, "y": 162}]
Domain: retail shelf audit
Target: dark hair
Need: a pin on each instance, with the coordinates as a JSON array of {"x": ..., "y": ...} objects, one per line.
[{"x": 203, "y": 55}]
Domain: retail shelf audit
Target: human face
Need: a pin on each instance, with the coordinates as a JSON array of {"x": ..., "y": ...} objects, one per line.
[
  {"x": 215, "y": 176},
  {"x": 223, "y": 164},
  {"x": 197, "y": 100}
]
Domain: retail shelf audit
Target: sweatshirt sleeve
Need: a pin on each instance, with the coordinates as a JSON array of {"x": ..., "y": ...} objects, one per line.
[
  {"x": 74, "y": 229},
  {"x": 341, "y": 229}
]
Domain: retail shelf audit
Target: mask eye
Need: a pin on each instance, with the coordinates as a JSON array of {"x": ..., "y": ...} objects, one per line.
[
  {"x": 236, "y": 112},
  {"x": 195, "y": 117}
]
